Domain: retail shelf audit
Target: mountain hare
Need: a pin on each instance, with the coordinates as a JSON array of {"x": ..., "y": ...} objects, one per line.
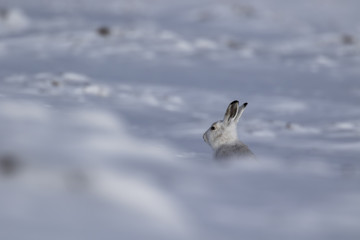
[{"x": 222, "y": 135}]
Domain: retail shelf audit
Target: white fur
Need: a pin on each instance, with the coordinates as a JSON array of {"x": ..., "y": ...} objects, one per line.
[{"x": 222, "y": 135}]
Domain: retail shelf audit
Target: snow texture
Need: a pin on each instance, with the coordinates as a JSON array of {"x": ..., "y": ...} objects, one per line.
[{"x": 103, "y": 105}]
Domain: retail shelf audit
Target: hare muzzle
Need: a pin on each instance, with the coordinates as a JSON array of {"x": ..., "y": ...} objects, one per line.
[{"x": 204, "y": 137}]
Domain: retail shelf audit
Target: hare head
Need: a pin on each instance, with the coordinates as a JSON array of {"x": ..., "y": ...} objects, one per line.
[{"x": 224, "y": 132}]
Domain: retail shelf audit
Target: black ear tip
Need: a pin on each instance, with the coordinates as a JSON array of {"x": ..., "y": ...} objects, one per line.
[
  {"x": 245, "y": 104},
  {"x": 234, "y": 102}
]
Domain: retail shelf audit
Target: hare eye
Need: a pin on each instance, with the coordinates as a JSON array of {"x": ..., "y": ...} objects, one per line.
[{"x": 212, "y": 128}]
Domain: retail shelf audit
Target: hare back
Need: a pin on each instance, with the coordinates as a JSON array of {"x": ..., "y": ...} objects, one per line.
[{"x": 237, "y": 150}]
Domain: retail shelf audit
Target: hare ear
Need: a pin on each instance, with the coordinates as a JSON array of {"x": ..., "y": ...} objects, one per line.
[
  {"x": 231, "y": 112},
  {"x": 240, "y": 111}
]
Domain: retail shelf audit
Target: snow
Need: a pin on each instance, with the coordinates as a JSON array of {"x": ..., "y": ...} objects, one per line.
[{"x": 103, "y": 105}]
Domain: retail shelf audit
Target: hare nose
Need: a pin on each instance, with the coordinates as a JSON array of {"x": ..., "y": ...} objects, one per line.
[{"x": 204, "y": 137}]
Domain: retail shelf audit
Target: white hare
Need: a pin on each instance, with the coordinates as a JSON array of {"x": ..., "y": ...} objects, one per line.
[{"x": 222, "y": 135}]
